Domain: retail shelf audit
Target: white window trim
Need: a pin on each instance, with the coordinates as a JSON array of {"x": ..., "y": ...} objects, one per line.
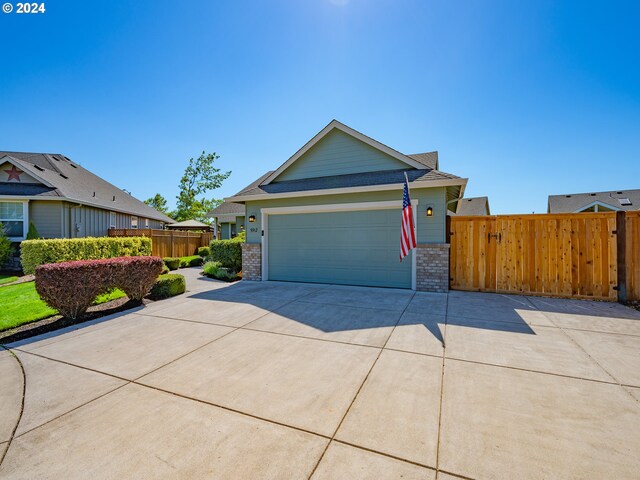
[
  {"x": 597, "y": 204},
  {"x": 25, "y": 217},
  {"x": 131, "y": 221},
  {"x": 115, "y": 219},
  {"x": 336, "y": 207}
]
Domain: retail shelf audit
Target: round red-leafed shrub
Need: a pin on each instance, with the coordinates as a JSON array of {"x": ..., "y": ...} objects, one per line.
[
  {"x": 71, "y": 287},
  {"x": 136, "y": 275}
]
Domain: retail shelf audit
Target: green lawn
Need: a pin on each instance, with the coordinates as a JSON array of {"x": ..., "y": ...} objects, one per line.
[
  {"x": 7, "y": 279},
  {"x": 21, "y": 304}
]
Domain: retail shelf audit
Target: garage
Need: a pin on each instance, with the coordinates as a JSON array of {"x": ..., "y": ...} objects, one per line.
[{"x": 358, "y": 247}]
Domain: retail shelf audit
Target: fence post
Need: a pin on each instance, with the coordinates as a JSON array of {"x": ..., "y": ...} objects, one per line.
[
  {"x": 621, "y": 248},
  {"x": 173, "y": 245}
]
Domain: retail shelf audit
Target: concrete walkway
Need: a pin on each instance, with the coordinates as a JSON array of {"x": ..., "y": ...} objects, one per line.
[{"x": 282, "y": 380}]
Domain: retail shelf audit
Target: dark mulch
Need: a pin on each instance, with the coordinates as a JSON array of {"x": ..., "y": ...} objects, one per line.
[{"x": 58, "y": 321}]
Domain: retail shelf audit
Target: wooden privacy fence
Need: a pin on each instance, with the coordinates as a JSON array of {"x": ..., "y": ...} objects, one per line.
[
  {"x": 167, "y": 243},
  {"x": 628, "y": 225},
  {"x": 568, "y": 255}
]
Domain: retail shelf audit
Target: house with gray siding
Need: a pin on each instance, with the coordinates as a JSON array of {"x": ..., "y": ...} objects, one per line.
[
  {"x": 610, "y": 201},
  {"x": 332, "y": 213},
  {"x": 64, "y": 200}
]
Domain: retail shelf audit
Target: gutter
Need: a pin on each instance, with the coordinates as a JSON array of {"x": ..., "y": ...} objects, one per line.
[{"x": 79, "y": 202}]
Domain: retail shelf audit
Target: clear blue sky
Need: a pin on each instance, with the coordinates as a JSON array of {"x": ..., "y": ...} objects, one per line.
[{"x": 525, "y": 99}]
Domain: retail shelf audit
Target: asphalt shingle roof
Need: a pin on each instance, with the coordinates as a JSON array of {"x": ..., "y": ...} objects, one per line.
[
  {"x": 429, "y": 159},
  {"x": 227, "y": 208},
  {"x": 473, "y": 206},
  {"x": 416, "y": 178},
  {"x": 73, "y": 182},
  {"x": 576, "y": 201}
]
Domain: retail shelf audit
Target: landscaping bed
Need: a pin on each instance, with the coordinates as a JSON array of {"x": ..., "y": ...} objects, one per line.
[
  {"x": 74, "y": 292},
  {"x": 57, "y": 322},
  {"x": 21, "y": 304}
]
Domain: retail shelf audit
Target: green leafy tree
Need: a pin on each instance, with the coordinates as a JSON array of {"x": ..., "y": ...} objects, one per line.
[
  {"x": 200, "y": 177},
  {"x": 158, "y": 202},
  {"x": 5, "y": 246}
]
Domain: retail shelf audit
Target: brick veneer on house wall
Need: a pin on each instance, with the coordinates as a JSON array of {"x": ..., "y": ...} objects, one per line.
[
  {"x": 252, "y": 261},
  {"x": 432, "y": 267}
]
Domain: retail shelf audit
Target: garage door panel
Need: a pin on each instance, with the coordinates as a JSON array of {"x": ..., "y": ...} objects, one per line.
[{"x": 354, "y": 248}]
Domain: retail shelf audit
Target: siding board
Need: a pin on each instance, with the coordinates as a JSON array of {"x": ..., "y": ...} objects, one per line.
[{"x": 339, "y": 154}]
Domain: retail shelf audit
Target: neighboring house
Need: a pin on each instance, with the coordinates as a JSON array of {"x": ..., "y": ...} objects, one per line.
[
  {"x": 474, "y": 206},
  {"x": 64, "y": 200},
  {"x": 189, "y": 225},
  {"x": 332, "y": 214},
  {"x": 595, "y": 202},
  {"x": 228, "y": 220}
]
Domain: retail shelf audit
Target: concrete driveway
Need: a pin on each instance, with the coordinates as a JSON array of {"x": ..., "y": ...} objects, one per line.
[{"x": 277, "y": 380}]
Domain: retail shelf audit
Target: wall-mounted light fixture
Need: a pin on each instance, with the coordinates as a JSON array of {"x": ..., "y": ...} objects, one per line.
[
  {"x": 429, "y": 211},
  {"x": 252, "y": 218}
]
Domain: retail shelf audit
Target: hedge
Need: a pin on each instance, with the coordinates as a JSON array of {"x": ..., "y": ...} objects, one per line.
[
  {"x": 204, "y": 251},
  {"x": 71, "y": 287},
  {"x": 173, "y": 263},
  {"x": 168, "y": 285},
  {"x": 40, "y": 252},
  {"x": 192, "y": 261},
  {"x": 228, "y": 253}
]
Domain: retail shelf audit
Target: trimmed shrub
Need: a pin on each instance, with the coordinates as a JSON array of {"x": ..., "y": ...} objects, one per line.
[
  {"x": 168, "y": 285},
  {"x": 5, "y": 246},
  {"x": 204, "y": 252},
  {"x": 228, "y": 253},
  {"x": 136, "y": 275},
  {"x": 165, "y": 269},
  {"x": 71, "y": 287},
  {"x": 32, "y": 234},
  {"x": 192, "y": 261},
  {"x": 40, "y": 252},
  {"x": 173, "y": 263}
]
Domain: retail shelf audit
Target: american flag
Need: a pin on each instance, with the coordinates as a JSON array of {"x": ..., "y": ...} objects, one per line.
[{"x": 407, "y": 231}]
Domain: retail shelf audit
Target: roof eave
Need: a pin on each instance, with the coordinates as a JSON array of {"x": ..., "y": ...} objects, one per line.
[{"x": 345, "y": 190}]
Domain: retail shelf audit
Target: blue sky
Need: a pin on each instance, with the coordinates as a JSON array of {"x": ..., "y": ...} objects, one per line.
[{"x": 525, "y": 99}]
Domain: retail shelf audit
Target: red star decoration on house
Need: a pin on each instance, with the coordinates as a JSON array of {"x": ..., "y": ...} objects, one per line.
[{"x": 14, "y": 173}]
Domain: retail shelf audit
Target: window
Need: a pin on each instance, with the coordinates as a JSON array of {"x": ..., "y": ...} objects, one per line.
[
  {"x": 12, "y": 217},
  {"x": 146, "y": 223},
  {"x": 112, "y": 219},
  {"x": 134, "y": 221}
]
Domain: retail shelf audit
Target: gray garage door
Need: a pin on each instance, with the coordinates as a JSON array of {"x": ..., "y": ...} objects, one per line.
[{"x": 349, "y": 248}]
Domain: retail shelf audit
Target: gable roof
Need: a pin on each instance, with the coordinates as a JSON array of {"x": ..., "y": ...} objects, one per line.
[
  {"x": 227, "y": 208},
  {"x": 335, "y": 124},
  {"x": 473, "y": 206},
  {"x": 61, "y": 178},
  {"x": 575, "y": 202},
  {"x": 422, "y": 171}
]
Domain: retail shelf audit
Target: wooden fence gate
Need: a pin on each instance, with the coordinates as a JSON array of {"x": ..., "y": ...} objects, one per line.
[{"x": 567, "y": 255}]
